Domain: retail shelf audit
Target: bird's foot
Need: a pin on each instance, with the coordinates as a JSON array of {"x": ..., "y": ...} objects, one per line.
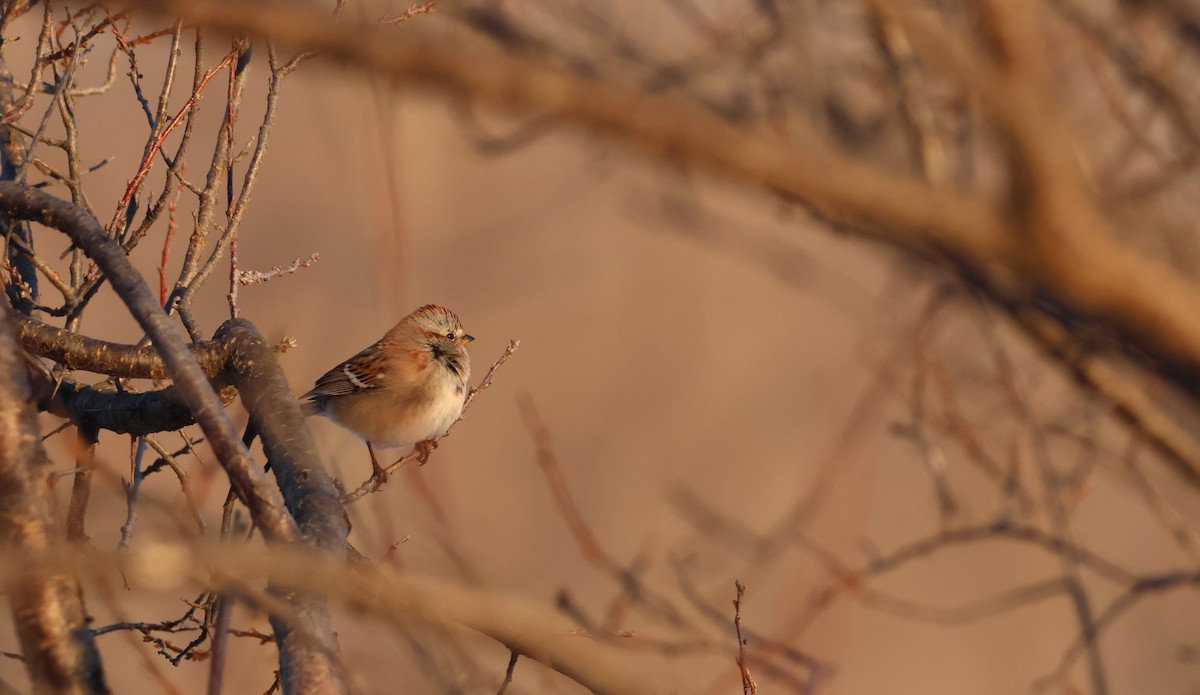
[
  {"x": 379, "y": 474},
  {"x": 424, "y": 449}
]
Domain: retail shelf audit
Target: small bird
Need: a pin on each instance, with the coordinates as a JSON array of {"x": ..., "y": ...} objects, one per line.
[{"x": 405, "y": 390}]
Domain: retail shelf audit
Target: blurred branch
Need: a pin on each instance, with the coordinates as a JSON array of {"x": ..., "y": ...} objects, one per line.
[
  {"x": 527, "y": 627},
  {"x": 508, "y": 672},
  {"x": 632, "y": 585},
  {"x": 60, "y": 654}
]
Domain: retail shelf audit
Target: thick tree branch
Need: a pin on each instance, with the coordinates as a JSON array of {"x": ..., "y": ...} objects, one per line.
[
  {"x": 76, "y": 351},
  {"x": 60, "y": 654},
  {"x": 307, "y": 652},
  {"x": 123, "y": 412},
  {"x": 538, "y": 632}
]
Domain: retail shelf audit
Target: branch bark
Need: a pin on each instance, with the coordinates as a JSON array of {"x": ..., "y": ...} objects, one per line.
[
  {"x": 60, "y": 653},
  {"x": 75, "y": 351},
  {"x": 307, "y": 649}
]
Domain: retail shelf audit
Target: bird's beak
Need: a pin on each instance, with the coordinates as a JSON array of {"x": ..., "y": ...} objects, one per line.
[{"x": 467, "y": 338}]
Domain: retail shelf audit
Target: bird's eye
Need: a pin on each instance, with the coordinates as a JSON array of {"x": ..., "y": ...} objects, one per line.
[{"x": 450, "y": 335}]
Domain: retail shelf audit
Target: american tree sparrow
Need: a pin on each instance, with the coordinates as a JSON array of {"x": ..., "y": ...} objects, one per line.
[{"x": 405, "y": 390}]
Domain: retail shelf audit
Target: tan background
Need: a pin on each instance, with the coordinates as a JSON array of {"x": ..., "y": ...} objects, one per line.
[{"x": 657, "y": 362}]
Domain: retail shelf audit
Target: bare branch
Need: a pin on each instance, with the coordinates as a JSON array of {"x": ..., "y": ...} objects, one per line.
[
  {"x": 253, "y": 277},
  {"x": 307, "y": 649},
  {"x": 749, "y": 687}
]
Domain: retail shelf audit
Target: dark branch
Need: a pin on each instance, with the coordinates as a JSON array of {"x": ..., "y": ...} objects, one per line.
[{"x": 307, "y": 650}]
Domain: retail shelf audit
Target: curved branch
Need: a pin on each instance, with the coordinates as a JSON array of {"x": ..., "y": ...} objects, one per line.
[
  {"x": 307, "y": 642},
  {"x": 308, "y": 646},
  {"x": 308, "y": 650}
]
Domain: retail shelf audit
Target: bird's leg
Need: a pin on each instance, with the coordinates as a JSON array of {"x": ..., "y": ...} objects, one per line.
[
  {"x": 424, "y": 449},
  {"x": 379, "y": 474}
]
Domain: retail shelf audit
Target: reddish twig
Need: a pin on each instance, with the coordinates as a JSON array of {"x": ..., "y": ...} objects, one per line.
[
  {"x": 166, "y": 252},
  {"x": 148, "y": 38},
  {"x": 487, "y": 378},
  {"x": 148, "y": 160},
  {"x": 275, "y": 684},
  {"x": 558, "y": 482},
  {"x": 68, "y": 51}
]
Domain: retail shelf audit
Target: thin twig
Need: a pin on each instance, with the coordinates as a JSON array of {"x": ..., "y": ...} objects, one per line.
[
  {"x": 508, "y": 672},
  {"x": 749, "y": 687},
  {"x": 254, "y": 277},
  {"x": 148, "y": 160},
  {"x": 132, "y": 487},
  {"x": 412, "y": 11}
]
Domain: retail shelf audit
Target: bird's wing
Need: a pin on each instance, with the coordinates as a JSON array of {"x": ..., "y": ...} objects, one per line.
[{"x": 363, "y": 372}]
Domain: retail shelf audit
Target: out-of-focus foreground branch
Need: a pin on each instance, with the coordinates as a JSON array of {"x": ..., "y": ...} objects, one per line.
[
  {"x": 378, "y": 594},
  {"x": 59, "y": 650}
]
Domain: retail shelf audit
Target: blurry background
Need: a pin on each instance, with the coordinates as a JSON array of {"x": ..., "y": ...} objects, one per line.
[{"x": 731, "y": 390}]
